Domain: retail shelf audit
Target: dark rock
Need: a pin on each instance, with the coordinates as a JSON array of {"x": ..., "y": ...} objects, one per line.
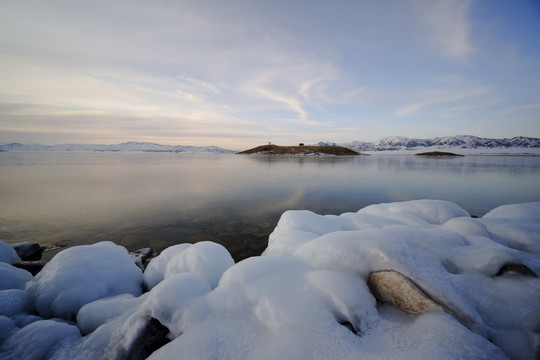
[
  {"x": 437, "y": 154},
  {"x": 151, "y": 338},
  {"x": 142, "y": 257},
  {"x": 349, "y": 326},
  {"x": 515, "y": 269},
  {"x": 33, "y": 267},
  {"x": 29, "y": 251}
]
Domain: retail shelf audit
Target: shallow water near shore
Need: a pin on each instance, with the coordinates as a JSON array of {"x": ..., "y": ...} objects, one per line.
[{"x": 138, "y": 199}]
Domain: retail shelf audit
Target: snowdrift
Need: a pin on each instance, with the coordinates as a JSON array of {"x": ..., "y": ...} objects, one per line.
[{"x": 410, "y": 280}]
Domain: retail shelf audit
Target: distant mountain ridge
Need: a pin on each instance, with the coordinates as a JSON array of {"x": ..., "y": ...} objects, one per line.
[
  {"x": 387, "y": 144},
  {"x": 460, "y": 142},
  {"x": 127, "y": 146}
]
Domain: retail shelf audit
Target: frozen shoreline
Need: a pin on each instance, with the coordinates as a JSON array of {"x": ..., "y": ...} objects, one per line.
[{"x": 308, "y": 295}]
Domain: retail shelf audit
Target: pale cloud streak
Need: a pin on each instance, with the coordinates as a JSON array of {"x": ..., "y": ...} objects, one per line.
[
  {"x": 448, "y": 27},
  {"x": 441, "y": 97},
  {"x": 515, "y": 109}
]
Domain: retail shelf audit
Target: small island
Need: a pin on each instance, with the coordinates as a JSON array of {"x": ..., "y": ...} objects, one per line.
[
  {"x": 438, "y": 154},
  {"x": 272, "y": 149}
]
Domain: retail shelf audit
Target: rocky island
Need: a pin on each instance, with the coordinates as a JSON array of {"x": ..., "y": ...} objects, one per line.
[
  {"x": 301, "y": 149},
  {"x": 438, "y": 154}
]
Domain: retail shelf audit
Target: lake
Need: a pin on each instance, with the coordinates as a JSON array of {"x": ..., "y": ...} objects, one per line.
[{"x": 139, "y": 199}]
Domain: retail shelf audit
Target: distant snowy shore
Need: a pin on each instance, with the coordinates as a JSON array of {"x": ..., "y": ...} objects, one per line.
[
  {"x": 463, "y": 144},
  {"x": 419, "y": 279},
  {"x": 127, "y": 146}
]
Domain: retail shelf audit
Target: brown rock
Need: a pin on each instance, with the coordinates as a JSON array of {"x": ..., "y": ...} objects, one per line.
[{"x": 397, "y": 289}]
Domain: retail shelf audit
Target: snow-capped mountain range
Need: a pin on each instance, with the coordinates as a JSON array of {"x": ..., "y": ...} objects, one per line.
[
  {"x": 463, "y": 143},
  {"x": 448, "y": 142},
  {"x": 127, "y": 146}
]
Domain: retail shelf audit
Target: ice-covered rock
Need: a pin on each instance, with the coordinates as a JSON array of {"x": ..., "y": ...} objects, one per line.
[
  {"x": 28, "y": 251},
  {"x": 12, "y": 277},
  {"x": 12, "y": 302},
  {"x": 38, "y": 340},
  {"x": 96, "y": 313},
  {"x": 80, "y": 275},
  {"x": 7, "y": 328},
  {"x": 207, "y": 259},
  {"x": 8, "y": 254}
]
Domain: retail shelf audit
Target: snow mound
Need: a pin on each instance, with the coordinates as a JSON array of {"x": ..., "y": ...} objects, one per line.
[
  {"x": 207, "y": 259},
  {"x": 38, "y": 340},
  {"x": 12, "y": 277},
  {"x": 8, "y": 254},
  {"x": 94, "y": 314},
  {"x": 12, "y": 302},
  {"x": 80, "y": 275}
]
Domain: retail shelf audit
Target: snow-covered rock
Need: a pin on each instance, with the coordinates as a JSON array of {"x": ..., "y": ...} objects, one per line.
[
  {"x": 206, "y": 259},
  {"x": 38, "y": 340},
  {"x": 8, "y": 254},
  {"x": 80, "y": 275},
  {"x": 12, "y": 277},
  {"x": 12, "y": 302}
]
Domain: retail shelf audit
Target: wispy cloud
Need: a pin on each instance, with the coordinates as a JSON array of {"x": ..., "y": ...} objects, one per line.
[
  {"x": 448, "y": 27},
  {"x": 442, "y": 97},
  {"x": 515, "y": 109}
]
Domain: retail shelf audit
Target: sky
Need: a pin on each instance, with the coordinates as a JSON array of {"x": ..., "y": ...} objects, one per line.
[{"x": 242, "y": 73}]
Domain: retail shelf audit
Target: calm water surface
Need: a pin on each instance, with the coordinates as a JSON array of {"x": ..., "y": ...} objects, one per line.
[{"x": 160, "y": 199}]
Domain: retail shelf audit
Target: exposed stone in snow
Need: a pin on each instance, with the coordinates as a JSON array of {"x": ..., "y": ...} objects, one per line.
[
  {"x": 28, "y": 251},
  {"x": 395, "y": 288}
]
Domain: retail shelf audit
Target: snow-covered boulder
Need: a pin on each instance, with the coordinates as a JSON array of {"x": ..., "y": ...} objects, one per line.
[
  {"x": 206, "y": 259},
  {"x": 12, "y": 302},
  {"x": 80, "y": 275},
  {"x": 39, "y": 340},
  {"x": 12, "y": 277},
  {"x": 453, "y": 258},
  {"x": 8, "y": 254},
  {"x": 94, "y": 314}
]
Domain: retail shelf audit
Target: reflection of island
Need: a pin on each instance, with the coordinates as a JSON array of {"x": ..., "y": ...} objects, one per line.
[
  {"x": 300, "y": 150},
  {"x": 437, "y": 153}
]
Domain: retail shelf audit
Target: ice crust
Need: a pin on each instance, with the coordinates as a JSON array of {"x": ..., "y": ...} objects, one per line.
[{"x": 306, "y": 297}]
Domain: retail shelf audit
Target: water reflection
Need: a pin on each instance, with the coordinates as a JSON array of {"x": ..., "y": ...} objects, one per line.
[{"x": 160, "y": 199}]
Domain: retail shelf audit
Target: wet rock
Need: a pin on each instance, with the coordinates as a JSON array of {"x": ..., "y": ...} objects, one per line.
[
  {"x": 33, "y": 267},
  {"x": 515, "y": 269},
  {"x": 29, "y": 251},
  {"x": 141, "y": 257},
  {"x": 151, "y": 338},
  {"x": 395, "y": 288}
]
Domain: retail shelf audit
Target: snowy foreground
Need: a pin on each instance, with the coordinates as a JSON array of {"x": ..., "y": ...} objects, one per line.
[{"x": 460, "y": 288}]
